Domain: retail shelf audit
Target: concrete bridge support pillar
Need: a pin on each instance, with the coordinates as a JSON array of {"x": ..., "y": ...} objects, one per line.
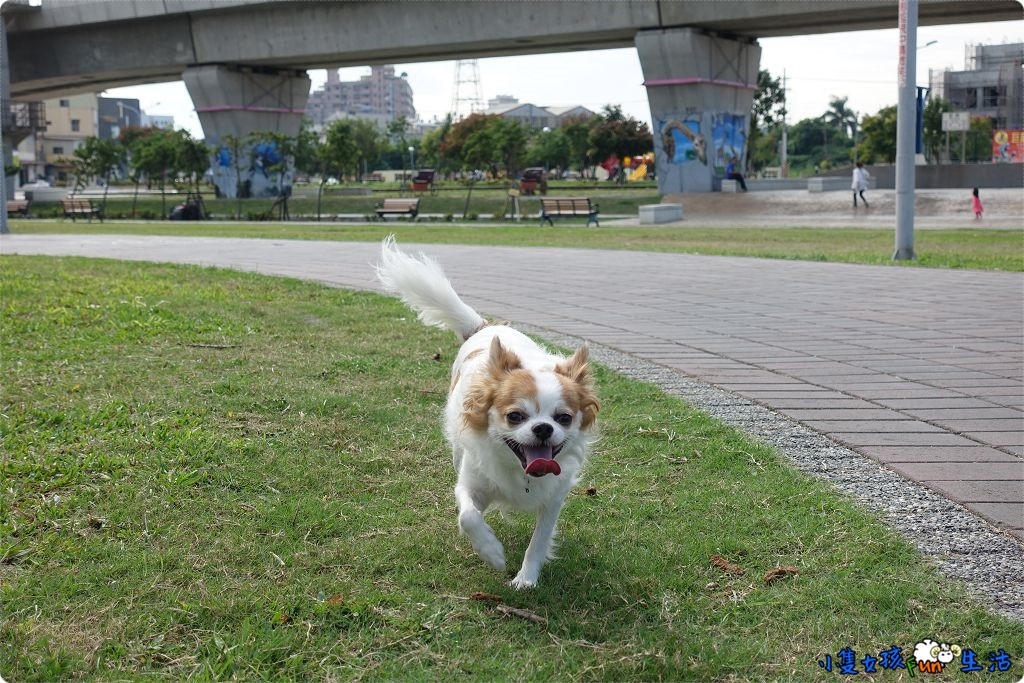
[
  {"x": 236, "y": 101},
  {"x": 701, "y": 92}
]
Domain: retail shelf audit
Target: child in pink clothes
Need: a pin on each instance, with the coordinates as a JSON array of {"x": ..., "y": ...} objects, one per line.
[{"x": 976, "y": 205}]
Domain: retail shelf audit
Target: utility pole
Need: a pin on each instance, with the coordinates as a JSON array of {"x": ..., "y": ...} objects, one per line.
[
  {"x": 906, "y": 130},
  {"x": 784, "y": 160}
]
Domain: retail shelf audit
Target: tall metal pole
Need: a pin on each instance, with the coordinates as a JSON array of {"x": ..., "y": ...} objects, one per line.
[
  {"x": 785, "y": 136},
  {"x": 5, "y": 106},
  {"x": 906, "y": 131}
]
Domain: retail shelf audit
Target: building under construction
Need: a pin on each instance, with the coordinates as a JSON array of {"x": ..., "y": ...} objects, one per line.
[{"x": 990, "y": 86}]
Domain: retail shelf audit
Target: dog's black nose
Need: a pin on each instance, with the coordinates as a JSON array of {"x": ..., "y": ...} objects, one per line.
[{"x": 543, "y": 430}]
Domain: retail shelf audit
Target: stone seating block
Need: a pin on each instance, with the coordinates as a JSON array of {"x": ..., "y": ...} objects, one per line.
[{"x": 651, "y": 214}]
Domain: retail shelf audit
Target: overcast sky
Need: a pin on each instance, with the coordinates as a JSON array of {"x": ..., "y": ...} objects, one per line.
[{"x": 859, "y": 65}]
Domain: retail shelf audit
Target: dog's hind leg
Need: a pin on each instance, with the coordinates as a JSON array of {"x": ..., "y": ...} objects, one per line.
[
  {"x": 471, "y": 523},
  {"x": 541, "y": 546}
]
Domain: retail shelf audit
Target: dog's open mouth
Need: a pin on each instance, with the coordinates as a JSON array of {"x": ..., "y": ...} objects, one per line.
[{"x": 536, "y": 460}]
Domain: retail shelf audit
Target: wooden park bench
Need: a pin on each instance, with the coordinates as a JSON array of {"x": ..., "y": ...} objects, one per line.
[
  {"x": 398, "y": 207},
  {"x": 556, "y": 207},
  {"x": 17, "y": 207},
  {"x": 77, "y": 207}
]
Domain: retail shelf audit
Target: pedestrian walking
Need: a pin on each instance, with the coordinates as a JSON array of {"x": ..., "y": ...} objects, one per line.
[
  {"x": 860, "y": 183},
  {"x": 976, "y": 205}
]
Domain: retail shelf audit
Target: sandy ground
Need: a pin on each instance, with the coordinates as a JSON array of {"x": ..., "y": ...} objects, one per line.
[{"x": 1004, "y": 209}]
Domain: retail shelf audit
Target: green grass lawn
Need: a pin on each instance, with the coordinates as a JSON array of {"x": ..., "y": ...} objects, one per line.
[
  {"x": 961, "y": 248},
  {"x": 218, "y": 475}
]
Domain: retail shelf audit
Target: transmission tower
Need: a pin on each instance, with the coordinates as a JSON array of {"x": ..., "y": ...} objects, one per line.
[{"x": 466, "y": 99}]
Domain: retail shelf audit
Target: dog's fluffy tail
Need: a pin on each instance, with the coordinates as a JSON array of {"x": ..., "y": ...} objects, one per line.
[{"x": 422, "y": 284}]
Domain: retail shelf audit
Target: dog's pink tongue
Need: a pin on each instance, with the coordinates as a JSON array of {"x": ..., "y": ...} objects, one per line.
[{"x": 541, "y": 461}]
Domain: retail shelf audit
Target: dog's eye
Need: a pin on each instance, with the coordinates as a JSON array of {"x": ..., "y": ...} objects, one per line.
[
  {"x": 515, "y": 417},
  {"x": 564, "y": 419}
]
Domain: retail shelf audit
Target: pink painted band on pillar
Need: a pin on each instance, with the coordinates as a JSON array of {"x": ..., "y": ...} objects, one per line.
[
  {"x": 261, "y": 110},
  {"x": 694, "y": 79}
]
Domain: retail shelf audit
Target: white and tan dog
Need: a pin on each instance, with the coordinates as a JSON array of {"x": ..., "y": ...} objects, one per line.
[{"x": 520, "y": 420}]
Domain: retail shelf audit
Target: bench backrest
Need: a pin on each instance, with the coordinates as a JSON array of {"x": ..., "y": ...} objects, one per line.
[
  {"x": 565, "y": 204},
  {"x": 16, "y": 204},
  {"x": 400, "y": 204},
  {"x": 73, "y": 203}
]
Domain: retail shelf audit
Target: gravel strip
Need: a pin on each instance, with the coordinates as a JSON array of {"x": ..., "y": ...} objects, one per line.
[{"x": 963, "y": 547}]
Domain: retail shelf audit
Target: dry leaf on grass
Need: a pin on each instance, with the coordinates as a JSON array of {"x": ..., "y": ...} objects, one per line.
[
  {"x": 725, "y": 565},
  {"x": 773, "y": 575}
]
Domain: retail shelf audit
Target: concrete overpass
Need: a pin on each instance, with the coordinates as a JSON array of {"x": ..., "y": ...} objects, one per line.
[{"x": 244, "y": 61}]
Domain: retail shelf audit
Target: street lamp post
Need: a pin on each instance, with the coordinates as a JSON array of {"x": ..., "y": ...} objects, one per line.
[{"x": 412, "y": 159}]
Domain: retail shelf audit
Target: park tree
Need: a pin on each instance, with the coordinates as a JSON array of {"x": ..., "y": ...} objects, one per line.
[
  {"x": 338, "y": 154},
  {"x": 549, "y": 148},
  {"x": 478, "y": 149},
  {"x": 96, "y": 158},
  {"x": 878, "y": 142},
  {"x": 510, "y": 139},
  {"x": 397, "y": 133},
  {"x": 431, "y": 144},
  {"x": 764, "y": 146},
  {"x": 454, "y": 144},
  {"x": 767, "y": 117},
  {"x": 306, "y": 144},
  {"x": 368, "y": 141},
  {"x": 613, "y": 133},
  {"x": 192, "y": 158},
  {"x": 840, "y": 116},
  {"x": 818, "y": 142},
  {"x": 576, "y": 129},
  {"x": 979, "y": 140},
  {"x": 152, "y": 153},
  {"x": 932, "y": 136}
]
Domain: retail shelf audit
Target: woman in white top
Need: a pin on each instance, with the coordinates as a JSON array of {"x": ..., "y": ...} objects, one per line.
[{"x": 860, "y": 183}]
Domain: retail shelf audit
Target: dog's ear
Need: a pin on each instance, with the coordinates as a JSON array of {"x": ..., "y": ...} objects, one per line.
[
  {"x": 480, "y": 396},
  {"x": 576, "y": 368},
  {"x": 502, "y": 361},
  {"x": 476, "y": 405}
]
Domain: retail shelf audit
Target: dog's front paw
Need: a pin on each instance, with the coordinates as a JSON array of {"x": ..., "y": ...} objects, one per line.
[
  {"x": 491, "y": 551},
  {"x": 523, "y": 580},
  {"x": 482, "y": 537}
]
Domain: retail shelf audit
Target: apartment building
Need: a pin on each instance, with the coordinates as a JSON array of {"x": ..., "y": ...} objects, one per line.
[
  {"x": 380, "y": 96},
  {"x": 47, "y": 154}
]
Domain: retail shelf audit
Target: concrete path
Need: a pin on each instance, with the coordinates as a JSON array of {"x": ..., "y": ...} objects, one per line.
[{"x": 919, "y": 369}]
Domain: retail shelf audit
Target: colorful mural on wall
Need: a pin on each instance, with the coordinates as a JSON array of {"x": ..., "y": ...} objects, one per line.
[
  {"x": 728, "y": 138},
  {"x": 257, "y": 181},
  {"x": 682, "y": 140}
]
